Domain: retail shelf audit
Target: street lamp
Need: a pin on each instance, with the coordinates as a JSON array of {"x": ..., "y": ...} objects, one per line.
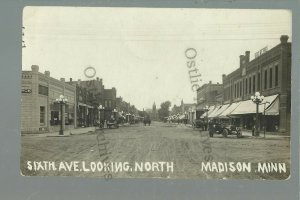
[
  {"x": 257, "y": 99},
  {"x": 100, "y": 108},
  {"x": 206, "y": 109},
  {"x": 185, "y": 117},
  {"x": 115, "y": 113},
  {"x": 61, "y": 100}
]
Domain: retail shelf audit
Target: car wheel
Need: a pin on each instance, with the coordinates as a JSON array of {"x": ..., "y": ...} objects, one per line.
[
  {"x": 239, "y": 134},
  {"x": 225, "y": 132}
]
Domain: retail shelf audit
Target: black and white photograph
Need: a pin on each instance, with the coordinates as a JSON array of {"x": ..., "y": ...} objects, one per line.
[{"x": 168, "y": 93}]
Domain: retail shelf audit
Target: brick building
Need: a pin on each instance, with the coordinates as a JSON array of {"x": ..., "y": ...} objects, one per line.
[
  {"x": 268, "y": 73},
  {"x": 89, "y": 95},
  {"x": 39, "y": 111},
  {"x": 209, "y": 94},
  {"x": 109, "y": 100}
]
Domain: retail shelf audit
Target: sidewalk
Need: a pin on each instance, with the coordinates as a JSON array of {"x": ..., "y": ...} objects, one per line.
[
  {"x": 248, "y": 133},
  {"x": 67, "y": 133}
]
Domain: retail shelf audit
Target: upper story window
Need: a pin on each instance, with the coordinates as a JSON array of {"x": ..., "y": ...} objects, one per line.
[
  {"x": 258, "y": 82},
  {"x": 246, "y": 92},
  {"x": 271, "y": 78},
  {"x": 250, "y": 85},
  {"x": 43, "y": 90},
  {"x": 265, "y": 79},
  {"x": 276, "y": 75},
  {"x": 253, "y": 79},
  {"x": 241, "y": 90}
]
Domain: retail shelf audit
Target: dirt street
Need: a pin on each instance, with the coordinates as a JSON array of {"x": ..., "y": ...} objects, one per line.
[{"x": 179, "y": 144}]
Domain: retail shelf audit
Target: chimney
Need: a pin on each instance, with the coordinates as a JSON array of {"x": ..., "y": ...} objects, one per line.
[
  {"x": 47, "y": 73},
  {"x": 247, "y": 56},
  {"x": 241, "y": 60},
  {"x": 79, "y": 81},
  {"x": 62, "y": 79},
  {"x": 71, "y": 80},
  {"x": 35, "y": 68},
  {"x": 97, "y": 78},
  {"x": 209, "y": 82},
  {"x": 284, "y": 39}
]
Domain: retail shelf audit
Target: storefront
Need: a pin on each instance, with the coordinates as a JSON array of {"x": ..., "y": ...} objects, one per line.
[{"x": 39, "y": 110}]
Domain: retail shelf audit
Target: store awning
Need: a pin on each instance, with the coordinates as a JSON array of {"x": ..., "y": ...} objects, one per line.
[
  {"x": 85, "y": 105},
  {"x": 273, "y": 109},
  {"x": 229, "y": 110},
  {"x": 182, "y": 117},
  {"x": 248, "y": 107},
  {"x": 220, "y": 111},
  {"x": 210, "y": 110},
  {"x": 210, "y": 115}
]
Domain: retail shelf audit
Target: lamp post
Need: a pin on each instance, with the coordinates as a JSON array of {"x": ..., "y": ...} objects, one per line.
[
  {"x": 100, "y": 108},
  {"x": 114, "y": 113},
  {"x": 61, "y": 100},
  {"x": 257, "y": 99},
  {"x": 206, "y": 109}
]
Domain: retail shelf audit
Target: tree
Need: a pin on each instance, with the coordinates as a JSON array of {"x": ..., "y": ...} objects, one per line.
[
  {"x": 176, "y": 110},
  {"x": 163, "y": 111}
]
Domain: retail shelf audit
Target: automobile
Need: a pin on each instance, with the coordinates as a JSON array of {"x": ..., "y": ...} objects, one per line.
[
  {"x": 198, "y": 123},
  {"x": 147, "y": 120},
  {"x": 112, "y": 123},
  {"x": 225, "y": 130}
]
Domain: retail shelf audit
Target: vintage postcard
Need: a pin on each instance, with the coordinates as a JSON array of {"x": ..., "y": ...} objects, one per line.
[{"x": 175, "y": 93}]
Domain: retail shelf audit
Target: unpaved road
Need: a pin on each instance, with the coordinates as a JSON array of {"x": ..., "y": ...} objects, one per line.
[{"x": 179, "y": 144}]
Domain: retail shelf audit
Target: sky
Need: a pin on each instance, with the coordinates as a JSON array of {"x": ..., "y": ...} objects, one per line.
[{"x": 141, "y": 51}]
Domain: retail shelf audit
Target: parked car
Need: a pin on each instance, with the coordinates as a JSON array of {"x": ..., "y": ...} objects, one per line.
[
  {"x": 199, "y": 123},
  {"x": 225, "y": 130}
]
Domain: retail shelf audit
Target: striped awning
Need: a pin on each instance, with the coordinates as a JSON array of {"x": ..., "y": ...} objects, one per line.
[{"x": 248, "y": 107}]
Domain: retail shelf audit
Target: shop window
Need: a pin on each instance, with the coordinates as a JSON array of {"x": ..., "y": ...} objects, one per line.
[
  {"x": 42, "y": 114},
  {"x": 55, "y": 118},
  {"x": 67, "y": 118}
]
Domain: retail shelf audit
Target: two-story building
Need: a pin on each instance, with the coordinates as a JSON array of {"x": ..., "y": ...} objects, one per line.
[
  {"x": 209, "y": 94},
  {"x": 268, "y": 73},
  {"x": 39, "y": 110}
]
